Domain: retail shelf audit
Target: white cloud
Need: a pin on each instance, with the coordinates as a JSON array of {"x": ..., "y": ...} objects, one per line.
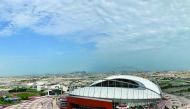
[
  {"x": 49, "y": 17},
  {"x": 121, "y": 25},
  {"x": 144, "y": 24}
]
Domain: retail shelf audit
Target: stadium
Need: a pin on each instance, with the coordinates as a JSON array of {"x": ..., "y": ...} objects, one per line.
[{"x": 116, "y": 92}]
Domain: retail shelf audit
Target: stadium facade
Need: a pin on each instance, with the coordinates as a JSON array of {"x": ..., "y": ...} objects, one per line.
[{"x": 116, "y": 92}]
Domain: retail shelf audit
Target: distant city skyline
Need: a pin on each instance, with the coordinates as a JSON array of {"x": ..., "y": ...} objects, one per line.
[{"x": 66, "y": 36}]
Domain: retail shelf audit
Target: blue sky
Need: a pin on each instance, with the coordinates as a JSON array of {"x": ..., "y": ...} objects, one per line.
[{"x": 50, "y": 36}]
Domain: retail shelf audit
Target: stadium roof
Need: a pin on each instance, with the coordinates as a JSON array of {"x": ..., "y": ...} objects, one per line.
[{"x": 147, "y": 89}]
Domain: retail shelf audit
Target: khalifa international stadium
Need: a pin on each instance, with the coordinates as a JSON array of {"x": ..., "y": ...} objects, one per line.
[{"x": 116, "y": 92}]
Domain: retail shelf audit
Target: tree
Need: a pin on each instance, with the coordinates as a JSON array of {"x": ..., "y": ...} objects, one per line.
[{"x": 188, "y": 89}]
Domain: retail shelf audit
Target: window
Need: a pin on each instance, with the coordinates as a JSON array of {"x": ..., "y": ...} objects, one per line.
[{"x": 117, "y": 83}]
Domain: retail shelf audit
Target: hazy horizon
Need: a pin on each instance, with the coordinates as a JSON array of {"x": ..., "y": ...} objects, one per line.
[{"x": 94, "y": 36}]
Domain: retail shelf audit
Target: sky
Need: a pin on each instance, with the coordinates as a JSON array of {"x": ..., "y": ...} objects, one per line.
[{"x": 58, "y": 36}]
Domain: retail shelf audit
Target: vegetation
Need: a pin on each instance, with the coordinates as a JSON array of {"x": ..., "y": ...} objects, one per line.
[
  {"x": 3, "y": 87},
  {"x": 183, "y": 90},
  {"x": 18, "y": 90},
  {"x": 3, "y": 102},
  {"x": 42, "y": 93},
  {"x": 25, "y": 95},
  {"x": 175, "y": 86}
]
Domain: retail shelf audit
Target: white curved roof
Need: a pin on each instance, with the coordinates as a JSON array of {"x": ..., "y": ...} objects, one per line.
[
  {"x": 147, "y": 83},
  {"x": 116, "y": 93},
  {"x": 151, "y": 90}
]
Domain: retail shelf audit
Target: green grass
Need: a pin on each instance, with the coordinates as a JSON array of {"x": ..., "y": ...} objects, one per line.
[
  {"x": 26, "y": 95},
  {"x": 23, "y": 94},
  {"x": 5, "y": 102}
]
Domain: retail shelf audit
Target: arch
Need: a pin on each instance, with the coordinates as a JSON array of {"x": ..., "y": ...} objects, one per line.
[
  {"x": 117, "y": 83},
  {"x": 142, "y": 83}
]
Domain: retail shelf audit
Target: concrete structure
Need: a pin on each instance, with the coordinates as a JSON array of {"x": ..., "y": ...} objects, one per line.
[
  {"x": 55, "y": 89},
  {"x": 4, "y": 92},
  {"x": 116, "y": 92},
  {"x": 41, "y": 85}
]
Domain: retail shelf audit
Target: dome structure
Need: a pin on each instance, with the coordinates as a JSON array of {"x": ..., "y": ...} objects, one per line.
[
  {"x": 121, "y": 87},
  {"x": 117, "y": 91}
]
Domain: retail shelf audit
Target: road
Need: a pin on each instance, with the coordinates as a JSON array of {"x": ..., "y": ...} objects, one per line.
[
  {"x": 40, "y": 103},
  {"x": 179, "y": 101}
]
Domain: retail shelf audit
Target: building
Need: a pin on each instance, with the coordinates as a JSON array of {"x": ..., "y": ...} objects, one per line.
[
  {"x": 116, "y": 92},
  {"x": 4, "y": 92},
  {"x": 55, "y": 90},
  {"x": 40, "y": 85}
]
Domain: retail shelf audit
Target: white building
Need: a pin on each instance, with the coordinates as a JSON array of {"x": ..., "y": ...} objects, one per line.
[{"x": 122, "y": 89}]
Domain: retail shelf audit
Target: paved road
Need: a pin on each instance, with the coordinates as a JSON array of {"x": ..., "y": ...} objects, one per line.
[
  {"x": 40, "y": 103},
  {"x": 180, "y": 102},
  {"x": 55, "y": 106}
]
